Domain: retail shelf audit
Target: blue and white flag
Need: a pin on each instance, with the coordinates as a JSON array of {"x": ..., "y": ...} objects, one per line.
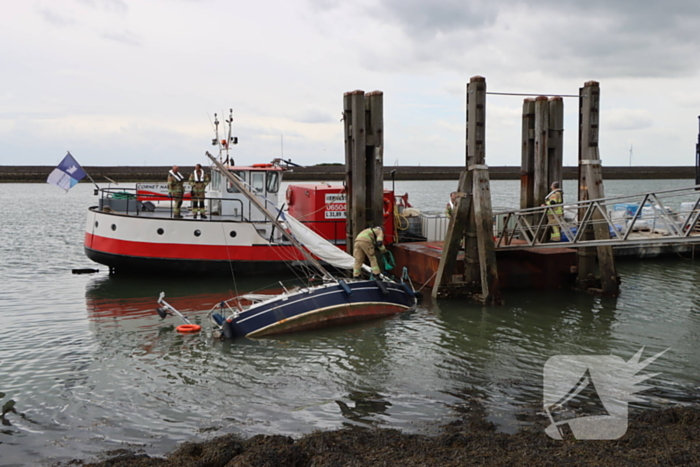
[{"x": 67, "y": 174}]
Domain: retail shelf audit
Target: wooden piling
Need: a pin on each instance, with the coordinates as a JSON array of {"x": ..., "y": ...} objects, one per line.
[
  {"x": 556, "y": 140},
  {"x": 475, "y": 155},
  {"x": 357, "y": 191},
  {"x": 541, "y": 185},
  {"x": 349, "y": 142},
  {"x": 591, "y": 187},
  {"x": 473, "y": 219},
  {"x": 527, "y": 164},
  {"x": 374, "y": 158}
]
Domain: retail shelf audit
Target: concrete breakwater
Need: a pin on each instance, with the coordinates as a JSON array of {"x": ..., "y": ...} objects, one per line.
[{"x": 319, "y": 173}]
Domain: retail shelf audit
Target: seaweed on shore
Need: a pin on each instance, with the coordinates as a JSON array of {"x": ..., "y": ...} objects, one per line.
[{"x": 654, "y": 437}]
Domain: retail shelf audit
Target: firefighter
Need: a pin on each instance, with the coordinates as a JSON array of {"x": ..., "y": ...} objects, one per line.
[
  {"x": 555, "y": 199},
  {"x": 176, "y": 190},
  {"x": 199, "y": 181},
  {"x": 364, "y": 246}
]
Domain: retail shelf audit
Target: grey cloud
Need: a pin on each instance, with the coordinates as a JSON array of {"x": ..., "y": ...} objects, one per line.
[
  {"x": 56, "y": 19},
  {"x": 608, "y": 38},
  {"x": 126, "y": 38},
  {"x": 421, "y": 19},
  {"x": 118, "y": 6}
]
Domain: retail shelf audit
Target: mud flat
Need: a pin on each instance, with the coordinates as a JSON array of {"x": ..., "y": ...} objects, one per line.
[{"x": 655, "y": 437}]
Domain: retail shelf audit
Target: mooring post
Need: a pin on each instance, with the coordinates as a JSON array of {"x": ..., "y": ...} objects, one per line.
[
  {"x": 541, "y": 187},
  {"x": 375, "y": 157},
  {"x": 591, "y": 187},
  {"x": 357, "y": 198},
  {"x": 349, "y": 142},
  {"x": 474, "y": 223},
  {"x": 556, "y": 140},
  {"x": 589, "y": 101},
  {"x": 527, "y": 164},
  {"x": 475, "y": 155}
]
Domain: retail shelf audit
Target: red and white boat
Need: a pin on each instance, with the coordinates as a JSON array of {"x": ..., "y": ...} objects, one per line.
[{"x": 133, "y": 230}]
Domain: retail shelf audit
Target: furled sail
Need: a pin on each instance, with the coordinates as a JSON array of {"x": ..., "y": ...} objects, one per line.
[{"x": 318, "y": 245}]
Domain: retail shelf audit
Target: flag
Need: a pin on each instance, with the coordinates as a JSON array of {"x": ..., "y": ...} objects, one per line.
[{"x": 67, "y": 174}]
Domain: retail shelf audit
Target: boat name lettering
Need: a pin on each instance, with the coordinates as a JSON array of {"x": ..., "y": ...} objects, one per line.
[
  {"x": 336, "y": 198},
  {"x": 335, "y": 214}
]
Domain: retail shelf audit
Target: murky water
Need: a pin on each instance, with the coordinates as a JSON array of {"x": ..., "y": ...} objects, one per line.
[{"x": 91, "y": 367}]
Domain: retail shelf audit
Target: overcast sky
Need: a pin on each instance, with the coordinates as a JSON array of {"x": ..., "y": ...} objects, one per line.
[{"x": 122, "y": 82}]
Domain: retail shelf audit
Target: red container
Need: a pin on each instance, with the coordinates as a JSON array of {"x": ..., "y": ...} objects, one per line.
[{"x": 322, "y": 208}]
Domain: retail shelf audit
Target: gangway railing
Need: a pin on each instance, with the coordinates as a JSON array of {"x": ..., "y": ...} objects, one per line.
[{"x": 660, "y": 217}]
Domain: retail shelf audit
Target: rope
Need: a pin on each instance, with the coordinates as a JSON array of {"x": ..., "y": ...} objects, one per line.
[
  {"x": 426, "y": 282},
  {"x": 531, "y": 95}
]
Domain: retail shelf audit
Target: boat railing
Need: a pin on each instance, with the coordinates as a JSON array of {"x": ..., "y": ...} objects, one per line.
[{"x": 127, "y": 201}]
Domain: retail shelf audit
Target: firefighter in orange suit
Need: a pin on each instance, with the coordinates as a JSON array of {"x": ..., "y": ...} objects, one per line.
[{"x": 364, "y": 247}]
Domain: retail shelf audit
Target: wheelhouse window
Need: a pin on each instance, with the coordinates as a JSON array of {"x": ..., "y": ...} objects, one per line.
[
  {"x": 273, "y": 182},
  {"x": 258, "y": 181},
  {"x": 232, "y": 189}
]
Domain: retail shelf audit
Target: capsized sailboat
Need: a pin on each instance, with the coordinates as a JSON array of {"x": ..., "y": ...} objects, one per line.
[{"x": 335, "y": 301}]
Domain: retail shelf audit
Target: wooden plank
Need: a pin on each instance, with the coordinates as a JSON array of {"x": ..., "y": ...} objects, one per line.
[
  {"x": 541, "y": 185},
  {"x": 483, "y": 214},
  {"x": 609, "y": 283},
  {"x": 453, "y": 236},
  {"x": 556, "y": 140},
  {"x": 527, "y": 164},
  {"x": 375, "y": 158}
]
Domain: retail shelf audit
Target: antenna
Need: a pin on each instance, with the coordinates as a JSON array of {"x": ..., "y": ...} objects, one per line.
[
  {"x": 282, "y": 146},
  {"x": 215, "y": 141}
]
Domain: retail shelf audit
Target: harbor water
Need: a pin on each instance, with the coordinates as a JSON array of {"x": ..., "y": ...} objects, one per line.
[{"x": 91, "y": 367}]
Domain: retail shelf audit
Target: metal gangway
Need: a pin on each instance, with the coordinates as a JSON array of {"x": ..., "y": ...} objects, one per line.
[{"x": 668, "y": 217}]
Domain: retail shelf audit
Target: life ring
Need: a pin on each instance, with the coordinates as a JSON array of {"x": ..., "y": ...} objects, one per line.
[
  {"x": 387, "y": 207},
  {"x": 261, "y": 166},
  {"x": 188, "y": 328}
]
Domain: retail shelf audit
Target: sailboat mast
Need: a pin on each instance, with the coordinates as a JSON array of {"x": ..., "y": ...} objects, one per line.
[{"x": 254, "y": 199}]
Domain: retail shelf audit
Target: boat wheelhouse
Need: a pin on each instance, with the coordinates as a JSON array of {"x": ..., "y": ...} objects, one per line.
[{"x": 133, "y": 230}]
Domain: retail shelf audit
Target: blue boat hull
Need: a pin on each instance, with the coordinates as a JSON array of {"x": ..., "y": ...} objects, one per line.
[{"x": 320, "y": 307}]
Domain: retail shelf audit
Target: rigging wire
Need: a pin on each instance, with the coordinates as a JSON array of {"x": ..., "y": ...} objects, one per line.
[{"x": 530, "y": 95}]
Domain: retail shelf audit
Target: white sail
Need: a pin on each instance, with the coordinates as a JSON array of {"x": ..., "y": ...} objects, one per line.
[{"x": 318, "y": 245}]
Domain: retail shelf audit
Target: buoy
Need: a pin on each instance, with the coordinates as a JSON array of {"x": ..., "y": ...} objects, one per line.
[{"x": 188, "y": 328}]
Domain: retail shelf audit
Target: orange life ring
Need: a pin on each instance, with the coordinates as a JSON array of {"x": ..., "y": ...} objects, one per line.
[
  {"x": 188, "y": 328},
  {"x": 261, "y": 165},
  {"x": 387, "y": 206}
]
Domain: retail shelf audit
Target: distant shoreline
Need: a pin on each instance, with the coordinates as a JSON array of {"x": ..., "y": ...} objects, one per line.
[{"x": 39, "y": 173}]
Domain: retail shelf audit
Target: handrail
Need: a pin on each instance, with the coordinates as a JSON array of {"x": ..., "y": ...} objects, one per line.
[{"x": 652, "y": 211}]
